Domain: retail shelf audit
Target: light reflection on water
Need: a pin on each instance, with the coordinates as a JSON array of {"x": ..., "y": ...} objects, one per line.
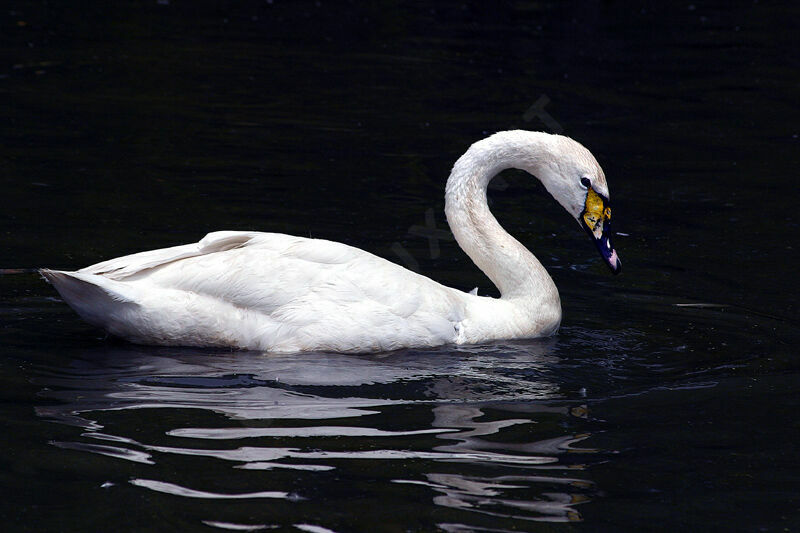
[{"x": 313, "y": 414}]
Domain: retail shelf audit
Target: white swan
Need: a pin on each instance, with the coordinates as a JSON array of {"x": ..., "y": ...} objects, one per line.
[{"x": 278, "y": 293}]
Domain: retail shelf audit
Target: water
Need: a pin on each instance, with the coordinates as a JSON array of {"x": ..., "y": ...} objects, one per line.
[{"x": 668, "y": 400}]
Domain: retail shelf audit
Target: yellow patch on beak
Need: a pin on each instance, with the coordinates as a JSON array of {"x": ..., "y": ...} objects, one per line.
[{"x": 595, "y": 212}]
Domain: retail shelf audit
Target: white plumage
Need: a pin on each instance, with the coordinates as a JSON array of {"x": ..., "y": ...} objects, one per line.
[{"x": 279, "y": 293}]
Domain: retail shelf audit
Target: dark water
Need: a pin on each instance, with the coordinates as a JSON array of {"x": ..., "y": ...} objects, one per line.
[{"x": 669, "y": 399}]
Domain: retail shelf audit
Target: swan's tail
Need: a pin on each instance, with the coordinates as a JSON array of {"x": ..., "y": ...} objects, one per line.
[{"x": 93, "y": 297}]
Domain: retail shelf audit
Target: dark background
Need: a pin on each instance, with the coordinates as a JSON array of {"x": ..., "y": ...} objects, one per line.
[{"x": 128, "y": 126}]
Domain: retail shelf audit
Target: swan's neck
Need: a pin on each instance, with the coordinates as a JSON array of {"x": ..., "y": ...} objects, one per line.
[{"x": 512, "y": 268}]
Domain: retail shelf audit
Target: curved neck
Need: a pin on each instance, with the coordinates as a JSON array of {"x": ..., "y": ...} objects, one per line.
[{"x": 511, "y": 267}]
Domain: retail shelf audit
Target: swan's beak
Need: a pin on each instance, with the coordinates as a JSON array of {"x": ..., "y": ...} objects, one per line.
[{"x": 596, "y": 220}]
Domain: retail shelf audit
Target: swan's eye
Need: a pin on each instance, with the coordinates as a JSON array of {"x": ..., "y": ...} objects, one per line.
[{"x": 586, "y": 182}]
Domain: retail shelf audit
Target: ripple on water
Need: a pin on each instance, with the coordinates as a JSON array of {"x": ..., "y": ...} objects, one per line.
[{"x": 467, "y": 430}]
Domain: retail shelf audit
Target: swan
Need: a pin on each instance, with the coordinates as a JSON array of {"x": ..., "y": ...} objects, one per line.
[{"x": 285, "y": 294}]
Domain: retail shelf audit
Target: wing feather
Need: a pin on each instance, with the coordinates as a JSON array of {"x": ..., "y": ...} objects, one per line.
[{"x": 126, "y": 266}]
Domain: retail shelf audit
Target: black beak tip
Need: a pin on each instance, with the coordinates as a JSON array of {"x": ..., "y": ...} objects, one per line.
[
  {"x": 604, "y": 246},
  {"x": 609, "y": 254},
  {"x": 616, "y": 268}
]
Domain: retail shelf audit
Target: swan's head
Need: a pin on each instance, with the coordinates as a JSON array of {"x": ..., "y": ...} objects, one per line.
[
  {"x": 569, "y": 172},
  {"x": 572, "y": 175}
]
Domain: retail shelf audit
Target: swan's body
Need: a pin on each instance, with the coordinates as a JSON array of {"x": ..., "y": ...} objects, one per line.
[{"x": 280, "y": 293}]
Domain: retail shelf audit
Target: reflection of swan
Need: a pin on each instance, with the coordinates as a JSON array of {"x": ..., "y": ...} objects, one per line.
[
  {"x": 245, "y": 414},
  {"x": 288, "y": 294},
  {"x": 249, "y": 386}
]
